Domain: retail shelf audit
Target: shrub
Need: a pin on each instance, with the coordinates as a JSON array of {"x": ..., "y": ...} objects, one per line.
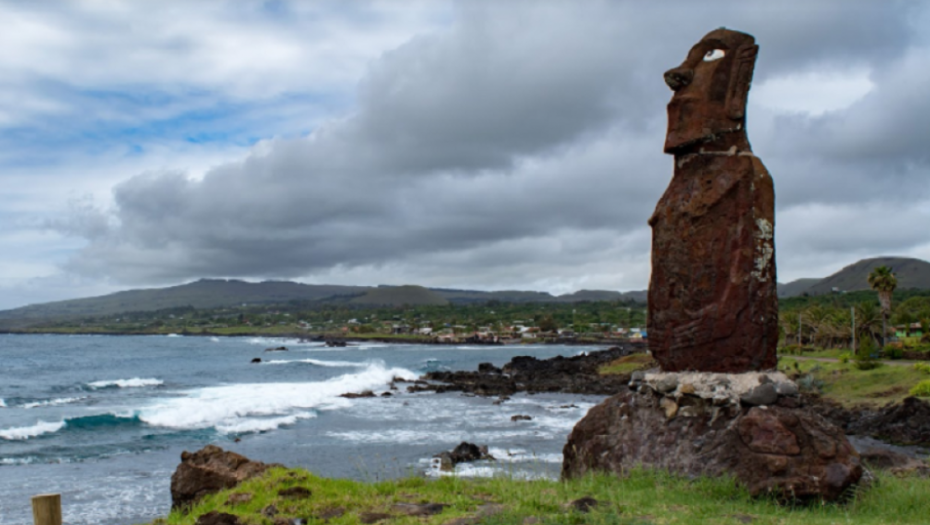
[
  {"x": 809, "y": 384},
  {"x": 867, "y": 356},
  {"x": 922, "y": 367},
  {"x": 894, "y": 352},
  {"x": 845, "y": 357},
  {"x": 921, "y": 389}
]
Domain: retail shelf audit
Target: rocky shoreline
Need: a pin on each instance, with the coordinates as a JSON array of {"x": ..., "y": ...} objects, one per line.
[
  {"x": 905, "y": 423},
  {"x": 571, "y": 375}
]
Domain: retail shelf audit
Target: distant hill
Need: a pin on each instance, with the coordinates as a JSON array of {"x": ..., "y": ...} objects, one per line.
[
  {"x": 400, "y": 295},
  {"x": 911, "y": 273},
  {"x": 221, "y": 293},
  {"x": 506, "y": 296},
  {"x": 796, "y": 288},
  {"x": 206, "y": 293}
]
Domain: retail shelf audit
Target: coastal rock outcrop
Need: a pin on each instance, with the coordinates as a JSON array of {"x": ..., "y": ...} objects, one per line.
[
  {"x": 577, "y": 375},
  {"x": 209, "y": 470},
  {"x": 703, "y": 427},
  {"x": 904, "y": 423}
]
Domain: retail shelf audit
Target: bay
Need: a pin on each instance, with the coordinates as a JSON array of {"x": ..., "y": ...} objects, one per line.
[{"x": 103, "y": 419}]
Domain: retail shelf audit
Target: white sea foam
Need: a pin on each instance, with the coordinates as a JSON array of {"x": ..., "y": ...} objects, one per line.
[
  {"x": 449, "y": 436},
  {"x": 135, "y": 382},
  {"x": 2, "y": 403},
  {"x": 318, "y": 362},
  {"x": 51, "y": 402},
  {"x": 228, "y": 407},
  {"x": 480, "y": 469},
  {"x": 40, "y": 428},
  {"x": 215, "y": 339},
  {"x": 262, "y": 424},
  {"x": 174, "y": 335},
  {"x": 519, "y": 455}
]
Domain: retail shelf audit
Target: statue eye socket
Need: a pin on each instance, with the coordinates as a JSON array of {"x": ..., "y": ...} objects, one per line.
[{"x": 714, "y": 54}]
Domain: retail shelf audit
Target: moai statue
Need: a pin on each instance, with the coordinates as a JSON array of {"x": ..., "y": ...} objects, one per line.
[{"x": 712, "y": 296}]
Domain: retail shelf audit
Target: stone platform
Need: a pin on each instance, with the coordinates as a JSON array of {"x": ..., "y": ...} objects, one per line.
[{"x": 751, "y": 426}]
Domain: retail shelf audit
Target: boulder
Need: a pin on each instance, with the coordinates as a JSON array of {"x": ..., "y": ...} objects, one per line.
[
  {"x": 790, "y": 452},
  {"x": 209, "y": 470},
  {"x": 463, "y": 453},
  {"x": 276, "y": 349}
]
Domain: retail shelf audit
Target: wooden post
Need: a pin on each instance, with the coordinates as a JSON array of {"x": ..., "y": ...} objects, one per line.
[{"x": 46, "y": 509}]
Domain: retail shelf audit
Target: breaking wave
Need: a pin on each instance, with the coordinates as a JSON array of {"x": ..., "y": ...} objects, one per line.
[
  {"x": 77, "y": 423},
  {"x": 135, "y": 382},
  {"x": 256, "y": 407},
  {"x": 317, "y": 362}
]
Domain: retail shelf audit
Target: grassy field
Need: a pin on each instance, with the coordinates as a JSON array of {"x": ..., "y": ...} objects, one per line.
[
  {"x": 638, "y": 499},
  {"x": 850, "y": 386}
]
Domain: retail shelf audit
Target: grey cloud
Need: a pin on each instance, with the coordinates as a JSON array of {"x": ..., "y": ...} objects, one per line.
[{"x": 523, "y": 142}]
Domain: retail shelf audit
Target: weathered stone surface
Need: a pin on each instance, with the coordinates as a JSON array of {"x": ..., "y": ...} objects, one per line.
[
  {"x": 210, "y": 469},
  {"x": 792, "y": 452},
  {"x": 712, "y": 295}
]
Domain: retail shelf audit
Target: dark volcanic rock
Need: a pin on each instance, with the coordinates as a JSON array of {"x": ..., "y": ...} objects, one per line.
[
  {"x": 217, "y": 518},
  {"x": 713, "y": 302},
  {"x": 295, "y": 492},
  {"x": 210, "y": 469},
  {"x": 577, "y": 374},
  {"x": 463, "y": 453},
  {"x": 256, "y": 360},
  {"x": 791, "y": 452},
  {"x": 353, "y": 395},
  {"x": 276, "y": 349},
  {"x": 904, "y": 423}
]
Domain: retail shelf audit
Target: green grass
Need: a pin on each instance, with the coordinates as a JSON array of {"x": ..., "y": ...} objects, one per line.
[
  {"x": 627, "y": 364},
  {"x": 849, "y": 386},
  {"x": 639, "y": 498}
]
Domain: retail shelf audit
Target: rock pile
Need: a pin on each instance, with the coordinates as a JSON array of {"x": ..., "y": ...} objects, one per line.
[{"x": 708, "y": 424}]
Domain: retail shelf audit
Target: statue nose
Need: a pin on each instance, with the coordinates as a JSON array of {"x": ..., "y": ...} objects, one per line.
[{"x": 678, "y": 77}]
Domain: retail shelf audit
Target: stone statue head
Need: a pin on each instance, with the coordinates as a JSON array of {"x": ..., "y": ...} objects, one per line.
[{"x": 711, "y": 87}]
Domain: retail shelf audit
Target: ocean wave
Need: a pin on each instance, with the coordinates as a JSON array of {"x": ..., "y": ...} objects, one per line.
[
  {"x": 135, "y": 382},
  {"x": 23, "y": 433},
  {"x": 51, "y": 402},
  {"x": 245, "y": 426},
  {"x": 173, "y": 335},
  {"x": 215, "y": 339},
  {"x": 2, "y": 403},
  {"x": 230, "y": 408},
  {"x": 317, "y": 362},
  {"x": 93, "y": 422}
]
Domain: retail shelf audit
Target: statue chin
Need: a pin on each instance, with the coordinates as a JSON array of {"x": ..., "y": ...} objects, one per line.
[{"x": 689, "y": 127}]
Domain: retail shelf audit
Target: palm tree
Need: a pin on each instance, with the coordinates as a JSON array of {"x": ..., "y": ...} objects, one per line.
[{"x": 883, "y": 281}]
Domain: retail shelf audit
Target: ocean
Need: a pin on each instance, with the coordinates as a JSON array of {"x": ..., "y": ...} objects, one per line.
[{"x": 102, "y": 420}]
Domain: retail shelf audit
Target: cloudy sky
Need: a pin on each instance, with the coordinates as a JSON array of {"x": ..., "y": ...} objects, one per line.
[{"x": 486, "y": 145}]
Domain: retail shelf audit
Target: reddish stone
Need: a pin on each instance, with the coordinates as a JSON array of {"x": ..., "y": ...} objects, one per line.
[
  {"x": 712, "y": 296},
  {"x": 209, "y": 470},
  {"x": 792, "y": 452}
]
